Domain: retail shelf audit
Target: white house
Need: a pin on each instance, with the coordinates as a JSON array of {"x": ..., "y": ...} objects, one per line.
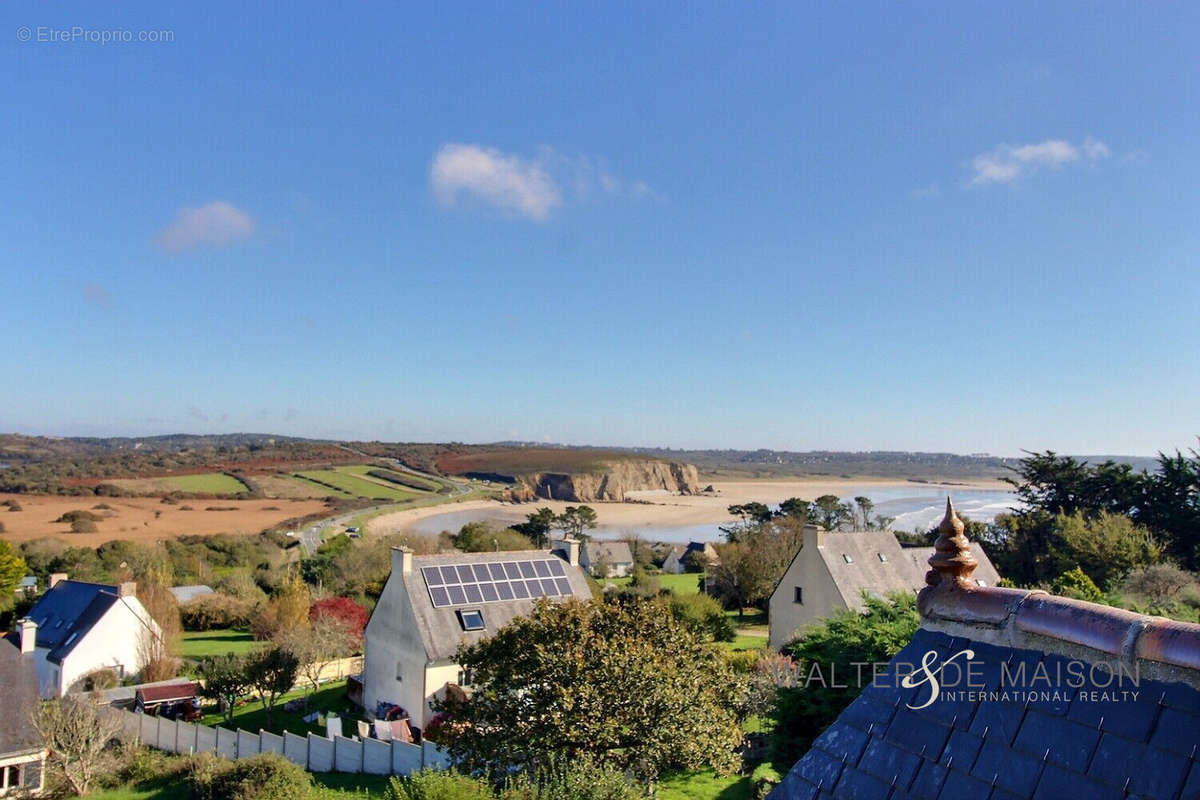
[
  {"x": 678, "y": 558},
  {"x": 432, "y": 604},
  {"x": 832, "y": 571},
  {"x": 85, "y": 627},
  {"x": 614, "y": 559},
  {"x": 22, "y": 757}
]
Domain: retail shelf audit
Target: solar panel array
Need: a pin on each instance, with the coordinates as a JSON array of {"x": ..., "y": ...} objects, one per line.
[{"x": 495, "y": 582}]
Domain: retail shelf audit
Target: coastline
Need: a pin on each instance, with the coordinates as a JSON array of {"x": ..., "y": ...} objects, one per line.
[{"x": 658, "y": 508}]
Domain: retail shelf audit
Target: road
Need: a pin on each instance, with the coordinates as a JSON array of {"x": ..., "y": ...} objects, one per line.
[{"x": 311, "y": 537}]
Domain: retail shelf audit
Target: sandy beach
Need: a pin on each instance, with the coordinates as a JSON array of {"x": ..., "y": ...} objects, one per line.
[{"x": 660, "y": 508}]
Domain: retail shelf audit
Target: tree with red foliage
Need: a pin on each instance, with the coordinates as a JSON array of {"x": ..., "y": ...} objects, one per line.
[{"x": 343, "y": 609}]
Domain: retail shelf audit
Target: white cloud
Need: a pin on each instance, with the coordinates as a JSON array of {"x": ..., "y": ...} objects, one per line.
[
  {"x": 214, "y": 224},
  {"x": 507, "y": 182},
  {"x": 1006, "y": 163},
  {"x": 530, "y": 187}
]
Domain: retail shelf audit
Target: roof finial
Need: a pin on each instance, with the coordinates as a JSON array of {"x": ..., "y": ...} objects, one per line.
[{"x": 951, "y": 560}]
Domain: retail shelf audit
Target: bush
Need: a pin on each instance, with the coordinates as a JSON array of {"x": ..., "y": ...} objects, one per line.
[
  {"x": 1075, "y": 583},
  {"x": 77, "y": 515},
  {"x": 83, "y": 526},
  {"x": 581, "y": 781},
  {"x": 264, "y": 777},
  {"x": 435, "y": 785},
  {"x": 704, "y": 616},
  {"x": 216, "y": 611},
  {"x": 101, "y": 679},
  {"x": 742, "y": 661}
]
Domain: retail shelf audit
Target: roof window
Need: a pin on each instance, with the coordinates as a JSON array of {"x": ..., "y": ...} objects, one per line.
[
  {"x": 882, "y": 557},
  {"x": 846, "y": 557},
  {"x": 471, "y": 619}
]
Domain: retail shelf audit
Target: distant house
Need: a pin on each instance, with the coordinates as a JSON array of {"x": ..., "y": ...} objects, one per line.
[
  {"x": 186, "y": 594},
  {"x": 681, "y": 556},
  {"x": 614, "y": 559},
  {"x": 432, "y": 604},
  {"x": 27, "y": 586},
  {"x": 22, "y": 757},
  {"x": 833, "y": 570},
  {"x": 85, "y": 627}
]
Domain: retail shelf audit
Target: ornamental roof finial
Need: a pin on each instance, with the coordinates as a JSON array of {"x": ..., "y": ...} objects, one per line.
[{"x": 952, "y": 561}]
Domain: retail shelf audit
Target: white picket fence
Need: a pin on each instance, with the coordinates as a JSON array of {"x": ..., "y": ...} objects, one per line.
[{"x": 313, "y": 752}]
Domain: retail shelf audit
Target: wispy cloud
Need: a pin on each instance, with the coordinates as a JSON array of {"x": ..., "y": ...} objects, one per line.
[
  {"x": 530, "y": 187},
  {"x": 214, "y": 224},
  {"x": 1007, "y": 163},
  {"x": 96, "y": 296}
]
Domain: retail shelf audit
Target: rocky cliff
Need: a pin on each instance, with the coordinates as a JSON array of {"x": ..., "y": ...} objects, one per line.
[{"x": 610, "y": 482}]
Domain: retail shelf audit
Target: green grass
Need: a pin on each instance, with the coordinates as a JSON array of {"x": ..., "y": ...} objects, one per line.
[
  {"x": 705, "y": 785},
  {"x": 208, "y": 483},
  {"x": 684, "y": 583},
  {"x": 199, "y": 644},
  {"x": 357, "y": 485},
  {"x": 330, "y": 786},
  {"x": 252, "y": 717}
]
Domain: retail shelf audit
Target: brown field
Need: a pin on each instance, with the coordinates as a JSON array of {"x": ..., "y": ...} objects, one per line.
[{"x": 144, "y": 518}]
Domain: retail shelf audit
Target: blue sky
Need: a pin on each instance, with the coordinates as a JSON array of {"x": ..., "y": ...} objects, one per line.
[{"x": 954, "y": 227}]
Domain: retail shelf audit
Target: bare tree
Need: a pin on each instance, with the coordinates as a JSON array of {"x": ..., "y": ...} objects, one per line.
[
  {"x": 76, "y": 734},
  {"x": 328, "y": 638}
]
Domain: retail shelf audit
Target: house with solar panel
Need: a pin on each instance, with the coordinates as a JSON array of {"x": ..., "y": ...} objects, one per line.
[
  {"x": 82, "y": 628},
  {"x": 1011, "y": 693},
  {"x": 431, "y": 604}
]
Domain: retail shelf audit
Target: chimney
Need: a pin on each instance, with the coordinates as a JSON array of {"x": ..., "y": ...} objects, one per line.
[
  {"x": 127, "y": 589},
  {"x": 571, "y": 551},
  {"x": 56, "y": 578},
  {"x": 402, "y": 560},
  {"x": 28, "y": 635},
  {"x": 814, "y": 536}
]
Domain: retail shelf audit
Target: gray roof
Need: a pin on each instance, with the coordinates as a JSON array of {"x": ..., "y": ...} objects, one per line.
[
  {"x": 66, "y": 612},
  {"x": 878, "y": 564},
  {"x": 18, "y": 697},
  {"x": 612, "y": 552},
  {"x": 28, "y": 582},
  {"x": 440, "y": 629},
  {"x": 186, "y": 594}
]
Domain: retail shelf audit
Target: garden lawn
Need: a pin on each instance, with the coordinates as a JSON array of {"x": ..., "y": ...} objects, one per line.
[
  {"x": 685, "y": 583},
  {"x": 743, "y": 642},
  {"x": 705, "y": 785},
  {"x": 201, "y": 644},
  {"x": 251, "y": 716},
  {"x": 329, "y": 786}
]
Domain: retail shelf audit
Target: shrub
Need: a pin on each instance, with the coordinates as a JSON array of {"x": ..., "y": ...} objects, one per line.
[
  {"x": 100, "y": 679},
  {"x": 580, "y": 781},
  {"x": 1075, "y": 583},
  {"x": 83, "y": 526},
  {"x": 742, "y": 661},
  {"x": 77, "y": 515},
  {"x": 216, "y": 611},
  {"x": 435, "y": 785},
  {"x": 264, "y": 777},
  {"x": 704, "y": 616}
]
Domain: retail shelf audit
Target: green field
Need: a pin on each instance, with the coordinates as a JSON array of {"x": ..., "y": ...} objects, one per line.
[
  {"x": 355, "y": 482},
  {"x": 208, "y": 483},
  {"x": 201, "y": 644},
  {"x": 685, "y": 583}
]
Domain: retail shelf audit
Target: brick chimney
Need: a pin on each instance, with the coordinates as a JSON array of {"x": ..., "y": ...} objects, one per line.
[
  {"x": 570, "y": 551},
  {"x": 127, "y": 589},
  {"x": 402, "y": 560},
  {"x": 56, "y": 578},
  {"x": 814, "y": 536},
  {"x": 28, "y": 635}
]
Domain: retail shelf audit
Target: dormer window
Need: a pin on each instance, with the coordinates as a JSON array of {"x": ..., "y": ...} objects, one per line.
[
  {"x": 471, "y": 619},
  {"x": 846, "y": 557}
]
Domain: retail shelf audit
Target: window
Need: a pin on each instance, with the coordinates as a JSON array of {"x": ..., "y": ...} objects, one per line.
[
  {"x": 846, "y": 557},
  {"x": 882, "y": 557},
  {"x": 471, "y": 619},
  {"x": 399, "y": 671},
  {"x": 800, "y": 595},
  {"x": 10, "y": 777},
  {"x": 466, "y": 677},
  {"x": 980, "y": 583}
]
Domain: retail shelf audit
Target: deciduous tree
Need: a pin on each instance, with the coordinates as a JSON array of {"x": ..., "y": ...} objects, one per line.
[
  {"x": 225, "y": 680},
  {"x": 76, "y": 733}
]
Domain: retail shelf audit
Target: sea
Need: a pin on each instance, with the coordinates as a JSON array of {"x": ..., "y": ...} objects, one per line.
[{"x": 915, "y": 507}]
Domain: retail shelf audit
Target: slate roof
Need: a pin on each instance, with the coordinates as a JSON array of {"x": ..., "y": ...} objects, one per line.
[
  {"x": 985, "y": 574},
  {"x": 18, "y": 698},
  {"x": 1002, "y": 737},
  {"x": 612, "y": 552},
  {"x": 440, "y": 629},
  {"x": 66, "y": 612},
  {"x": 186, "y": 594}
]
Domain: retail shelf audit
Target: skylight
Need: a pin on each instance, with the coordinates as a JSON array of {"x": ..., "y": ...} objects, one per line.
[
  {"x": 847, "y": 558},
  {"x": 494, "y": 582},
  {"x": 471, "y": 619},
  {"x": 882, "y": 557}
]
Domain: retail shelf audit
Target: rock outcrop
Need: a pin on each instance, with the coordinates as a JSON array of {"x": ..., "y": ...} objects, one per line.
[{"x": 611, "y": 482}]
